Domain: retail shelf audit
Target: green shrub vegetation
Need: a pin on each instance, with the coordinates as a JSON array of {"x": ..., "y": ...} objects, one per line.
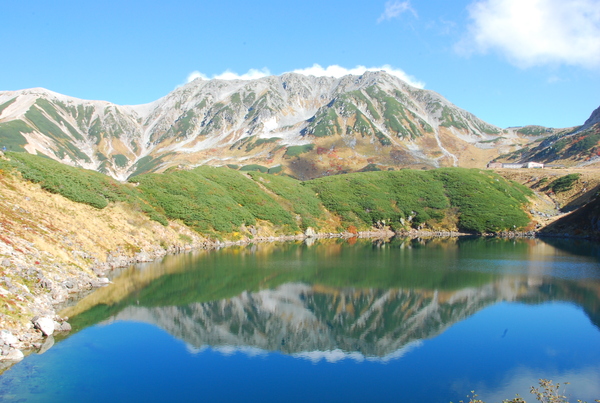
[
  {"x": 254, "y": 167},
  {"x": 397, "y": 197},
  {"x": 533, "y": 130},
  {"x": 259, "y": 168},
  {"x": 238, "y": 144},
  {"x": 7, "y": 104},
  {"x": 370, "y": 168},
  {"x": 302, "y": 200},
  {"x": 249, "y": 195},
  {"x": 482, "y": 201},
  {"x": 260, "y": 142},
  {"x": 50, "y": 109},
  {"x": 182, "y": 125},
  {"x": 576, "y": 146},
  {"x": 212, "y": 200},
  {"x": 44, "y": 125},
  {"x": 325, "y": 123},
  {"x": 294, "y": 151},
  {"x": 564, "y": 183},
  {"x": 383, "y": 139},
  {"x": 395, "y": 115},
  {"x": 450, "y": 119},
  {"x": 198, "y": 202},
  {"x": 275, "y": 170},
  {"x": 361, "y": 98},
  {"x": 145, "y": 164},
  {"x": 120, "y": 160},
  {"x": 11, "y": 135},
  {"x": 486, "y": 201},
  {"x": 219, "y": 201},
  {"x": 362, "y": 125}
]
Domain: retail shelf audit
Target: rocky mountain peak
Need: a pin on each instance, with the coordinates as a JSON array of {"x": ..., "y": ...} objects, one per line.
[
  {"x": 593, "y": 119},
  {"x": 372, "y": 121}
]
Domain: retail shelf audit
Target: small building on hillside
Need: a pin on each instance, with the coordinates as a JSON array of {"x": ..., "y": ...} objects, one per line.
[{"x": 514, "y": 165}]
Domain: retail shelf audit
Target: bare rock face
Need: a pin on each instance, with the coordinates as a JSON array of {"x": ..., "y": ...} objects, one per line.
[
  {"x": 593, "y": 119},
  {"x": 45, "y": 324}
]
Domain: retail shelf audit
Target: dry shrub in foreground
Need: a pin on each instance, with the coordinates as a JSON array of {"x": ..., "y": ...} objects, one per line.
[{"x": 547, "y": 392}]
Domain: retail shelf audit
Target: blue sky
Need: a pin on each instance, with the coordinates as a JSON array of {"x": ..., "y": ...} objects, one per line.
[{"x": 510, "y": 62}]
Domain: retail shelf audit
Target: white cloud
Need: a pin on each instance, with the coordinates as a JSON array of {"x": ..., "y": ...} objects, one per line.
[
  {"x": 393, "y": 9},
  {"x": 252, "y": 74},
  {"x": 536, "y": 32},
  {"x": 315, "y": 70},
  {"x": 194, "y": 75},
  {"x": 337, "y": 355},
  {"x": 338, "y": 71}
]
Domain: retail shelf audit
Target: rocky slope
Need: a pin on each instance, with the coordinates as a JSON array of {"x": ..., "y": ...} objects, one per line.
[
  {"x": 568, "y": 211},
  {"x": 310, "y": 126},
  {"x": 574, "y": 147}
]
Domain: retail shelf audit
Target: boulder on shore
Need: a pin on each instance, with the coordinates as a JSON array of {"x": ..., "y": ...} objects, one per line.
[
  {"x": 45, "y": 324},
  {"x": 310, "y": 232}
]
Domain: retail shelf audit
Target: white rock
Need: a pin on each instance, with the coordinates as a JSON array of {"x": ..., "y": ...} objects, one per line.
[
  {"x": 45, "y": 324},
  {"x": 8, "y": 338},
  {"x": 65, "y": 327},
  {"x": 14, "y": 355}
]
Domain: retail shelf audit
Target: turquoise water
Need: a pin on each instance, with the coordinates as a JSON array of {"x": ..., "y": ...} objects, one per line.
[{"x": 406, "y": 321}]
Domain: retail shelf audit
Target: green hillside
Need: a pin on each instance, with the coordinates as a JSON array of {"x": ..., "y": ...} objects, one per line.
[
  {"x": 474, "y": 200},
  {"x": 223, "y": 201}
]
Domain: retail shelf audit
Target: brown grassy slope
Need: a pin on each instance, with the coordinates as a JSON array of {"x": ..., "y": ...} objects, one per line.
[{"x": 49, "y": 246}]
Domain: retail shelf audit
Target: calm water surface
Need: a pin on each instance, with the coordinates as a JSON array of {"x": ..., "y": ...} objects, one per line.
[{"x": 335, "y": 321}]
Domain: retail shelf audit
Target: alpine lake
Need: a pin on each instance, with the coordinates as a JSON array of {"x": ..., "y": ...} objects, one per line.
[{"x": 403, "y": 320}]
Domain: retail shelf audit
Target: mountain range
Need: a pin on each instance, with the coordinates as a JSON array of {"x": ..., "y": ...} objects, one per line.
[
  {"x": 578, "y": 146},
  {"x": 304, "y": 126}
]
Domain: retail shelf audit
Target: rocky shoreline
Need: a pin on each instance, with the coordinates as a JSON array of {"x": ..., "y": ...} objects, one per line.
[{"x": 50, "y": 292}]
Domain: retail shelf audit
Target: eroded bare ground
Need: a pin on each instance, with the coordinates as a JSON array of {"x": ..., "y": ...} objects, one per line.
[{"x": 550, "y": 206}]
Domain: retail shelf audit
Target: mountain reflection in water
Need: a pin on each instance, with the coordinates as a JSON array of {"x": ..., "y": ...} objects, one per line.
[{"x": 372, "y": 301}]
